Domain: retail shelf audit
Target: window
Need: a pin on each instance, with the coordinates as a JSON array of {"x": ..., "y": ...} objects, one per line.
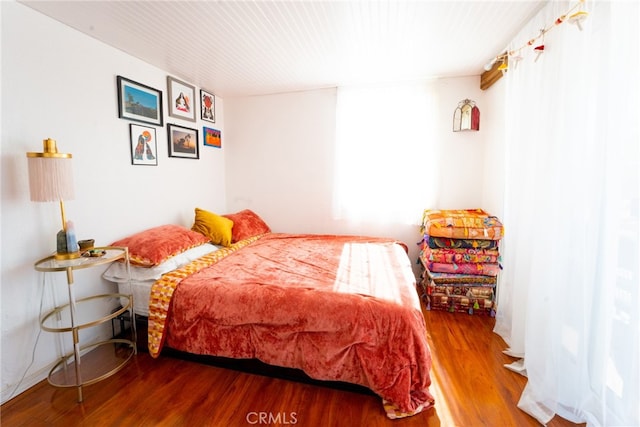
[{"x": 383, "y": 137}]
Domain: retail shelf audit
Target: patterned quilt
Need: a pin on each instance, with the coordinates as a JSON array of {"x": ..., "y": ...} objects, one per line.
[
  {"x": 458, "y": 256},
  {"x": 475, "y": 269},
  {"x": 461, "y": 224},
  {"x": 443, "y": 242}
]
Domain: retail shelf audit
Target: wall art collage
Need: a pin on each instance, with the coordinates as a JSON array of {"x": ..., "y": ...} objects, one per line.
[{"x": 143, "y": 105}]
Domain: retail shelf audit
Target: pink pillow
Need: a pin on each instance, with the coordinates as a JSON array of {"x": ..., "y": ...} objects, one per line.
[
  {"x": 151, "y": 247},
  {"x": 246, "y": 223}
]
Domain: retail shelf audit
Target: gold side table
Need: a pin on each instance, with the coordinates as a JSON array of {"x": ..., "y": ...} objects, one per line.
[{"x": 80, "y": 314}]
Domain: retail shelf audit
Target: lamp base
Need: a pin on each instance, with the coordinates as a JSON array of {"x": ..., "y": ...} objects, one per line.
[
  {"x": 65, "y": 241},
  {"x": 66, "y": 256}
]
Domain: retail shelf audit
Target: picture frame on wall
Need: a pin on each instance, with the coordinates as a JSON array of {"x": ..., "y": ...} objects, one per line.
[
  {"x": 207, "y": 106},
  {"x": 139, "y": 102},
  {"x": 144, "y": 150},
  {"x": 182, "y": 99},
  {"x": 183, "y": 142},
  {"x": 211, "y": 137}
]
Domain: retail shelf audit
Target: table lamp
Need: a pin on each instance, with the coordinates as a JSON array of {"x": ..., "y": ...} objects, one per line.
[{"x": 51, "y": 180}]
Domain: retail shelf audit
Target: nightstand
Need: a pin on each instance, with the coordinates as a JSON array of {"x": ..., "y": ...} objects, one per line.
[{"x": 82, "y": 313}]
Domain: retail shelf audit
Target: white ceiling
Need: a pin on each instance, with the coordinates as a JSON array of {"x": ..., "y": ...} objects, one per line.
[{"x": 235, "y": 48}]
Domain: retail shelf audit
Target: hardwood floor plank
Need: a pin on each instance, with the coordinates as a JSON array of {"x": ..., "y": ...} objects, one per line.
[{"x": 470, "y": 384}]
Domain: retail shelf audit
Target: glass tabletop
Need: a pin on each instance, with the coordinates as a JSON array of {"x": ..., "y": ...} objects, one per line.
[{"x": 110, "y": 254}]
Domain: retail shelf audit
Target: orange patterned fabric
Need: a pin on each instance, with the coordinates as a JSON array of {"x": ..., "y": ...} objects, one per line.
[
  {"x": 162, "y": 291},
  {"x": 461, "y": 224}
]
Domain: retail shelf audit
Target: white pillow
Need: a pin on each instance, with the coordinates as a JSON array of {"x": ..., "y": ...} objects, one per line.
[{"x": 117, "y": 272}]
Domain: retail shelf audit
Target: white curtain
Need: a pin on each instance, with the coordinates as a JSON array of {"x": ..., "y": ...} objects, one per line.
[
  {"x": 383, "y": 136},
  {"x": 569, "y": 293}
]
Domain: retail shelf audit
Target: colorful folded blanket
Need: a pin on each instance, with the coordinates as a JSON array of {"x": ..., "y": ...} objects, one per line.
[
  {"x": 442, "y": 242},
  {"x": 486, "y": 292},
  {"x": 482, "y": 269},
  {"x": 461, "y": 224},
  {"x": 458, "y": 256},
  {"x": 460, "y": 279},
  {"x": 461, "y": 303}
]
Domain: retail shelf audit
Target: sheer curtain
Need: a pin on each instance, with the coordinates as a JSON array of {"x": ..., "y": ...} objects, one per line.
[
  {"x": 382, "y": 140},
  {"x": 569, "y": 293}
]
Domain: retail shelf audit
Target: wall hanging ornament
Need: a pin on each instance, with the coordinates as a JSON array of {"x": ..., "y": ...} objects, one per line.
[
  {"x": 466, "y": 116},
  {"x": 540, "y": 48},
  {"x": 578, "y": 17},
  {"x": 574, "y": 16},
  {"x": 515, "y": 59}
]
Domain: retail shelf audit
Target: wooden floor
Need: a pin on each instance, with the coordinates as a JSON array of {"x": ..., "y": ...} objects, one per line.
[{"x": 470, "y": 384}]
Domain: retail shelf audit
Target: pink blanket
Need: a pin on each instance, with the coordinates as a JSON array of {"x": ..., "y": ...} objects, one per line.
[
  {"x": 337, "y": 307},
  {"x": 460, "y": 255},
  {"x": 476, "y": 269}
]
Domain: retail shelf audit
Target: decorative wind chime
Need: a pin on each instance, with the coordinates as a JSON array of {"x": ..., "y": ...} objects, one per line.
[{"x": 514, "y": 56}]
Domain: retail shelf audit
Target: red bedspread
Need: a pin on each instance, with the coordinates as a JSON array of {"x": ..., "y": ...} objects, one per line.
[{"x": 337, "y": 307}]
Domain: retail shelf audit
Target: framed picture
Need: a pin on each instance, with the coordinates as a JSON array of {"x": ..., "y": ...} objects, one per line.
[
  {"x": 182, "y": 99},
  {"x": 139, "y": 102},
  {"x": 183, "y": 142},
  {"x": 207, "y": 106},
  {"x": 212, "y": 137},
  {"x": 144, "y": 150}
]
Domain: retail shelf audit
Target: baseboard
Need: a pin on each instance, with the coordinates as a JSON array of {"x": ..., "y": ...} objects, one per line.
[{"x": 27, "y": 382}]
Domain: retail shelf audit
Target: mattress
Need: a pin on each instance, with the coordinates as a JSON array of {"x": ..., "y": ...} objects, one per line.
[{"x": 140, "y": 289}]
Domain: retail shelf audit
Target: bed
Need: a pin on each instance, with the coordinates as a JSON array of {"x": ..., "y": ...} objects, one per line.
[{"x": 338, "y": 308}]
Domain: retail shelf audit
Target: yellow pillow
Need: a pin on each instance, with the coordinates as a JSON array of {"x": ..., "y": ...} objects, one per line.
[{"x": 217, "y": 228}]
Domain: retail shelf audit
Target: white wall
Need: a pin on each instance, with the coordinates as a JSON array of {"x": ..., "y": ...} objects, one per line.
[
  {"x": 61, "y": 84},
  {"x": 280, "y": 159},
  {"x": 460, "y": 157},
  {"x": 494, "y": 150}
]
